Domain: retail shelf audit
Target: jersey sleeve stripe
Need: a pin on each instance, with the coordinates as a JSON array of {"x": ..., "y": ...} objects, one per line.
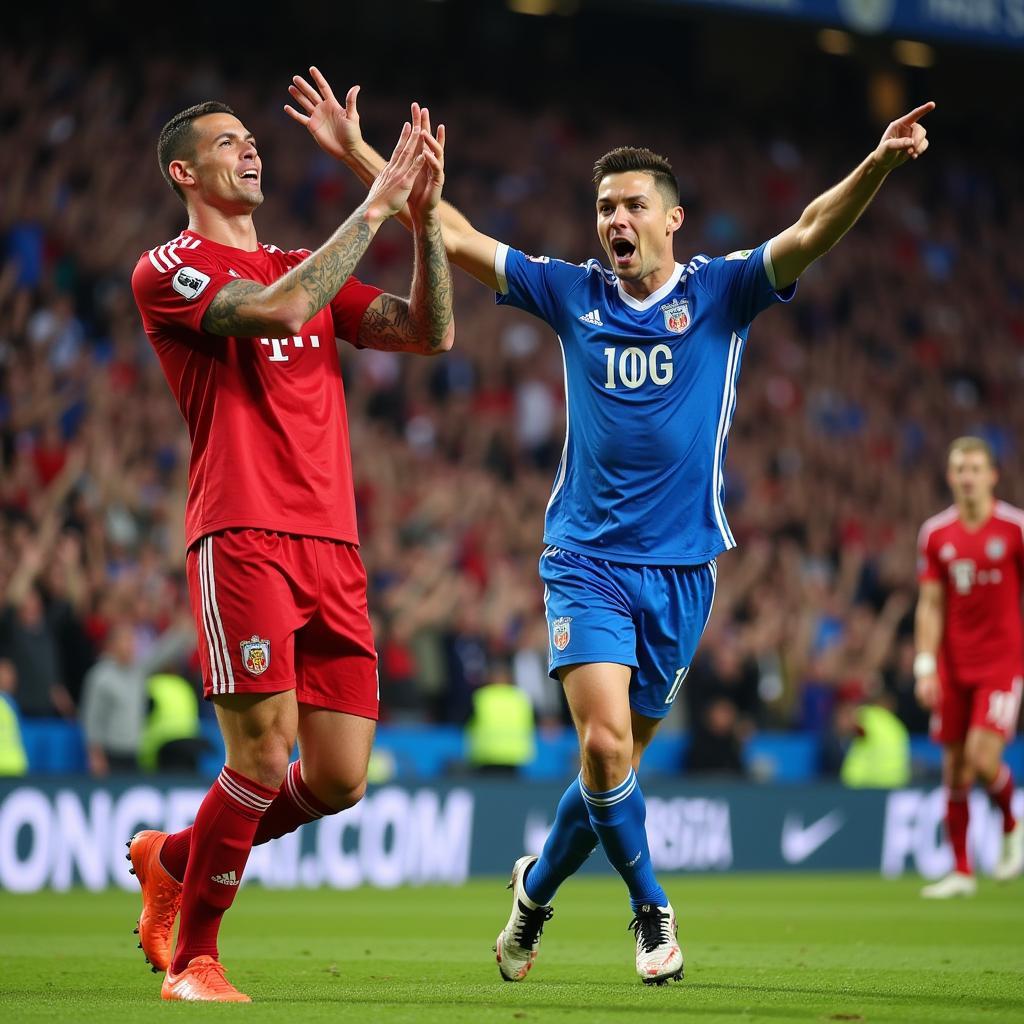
[
  {"x": 165, "y": 257},
  {"x": 563, "y": 462},
  {"x": 717, "y": 481},
  {"x": 936, "y": 522},
  {"x": 500, "y": 257},
  {"x": 1012, "y": 514},
  {"x": 769, "y": 267}
]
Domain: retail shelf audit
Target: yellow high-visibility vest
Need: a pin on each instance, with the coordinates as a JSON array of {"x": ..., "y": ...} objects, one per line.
[
  {"x": 880, "y": 759},
  {"x": 501, "y": 729}
]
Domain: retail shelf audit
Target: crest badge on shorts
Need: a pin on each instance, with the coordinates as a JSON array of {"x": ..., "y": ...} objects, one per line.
[
  {"x": 677, "y": 316},
  {"x": 560, "y": 632},
  {"x": 255, "y": 655}
]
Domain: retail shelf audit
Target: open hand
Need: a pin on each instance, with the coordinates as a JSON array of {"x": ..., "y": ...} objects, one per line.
[
  {"x": 426, "y": 191},
  {"x": 390, "y": 190},
  {"x": 905, "y": 139},
  {"x": 335, "y": 127}
]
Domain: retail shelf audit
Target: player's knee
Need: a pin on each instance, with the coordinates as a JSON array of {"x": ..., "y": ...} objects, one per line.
[
  {"x": 267, "y": 760},
  {"x": 338, "y": 792},
  {"x": 607, "y": 752}
]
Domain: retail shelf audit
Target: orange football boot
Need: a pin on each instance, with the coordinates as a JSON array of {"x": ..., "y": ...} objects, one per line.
[
  {"x": 161, "y": 898},
  {"x": 202, "y": 981}
]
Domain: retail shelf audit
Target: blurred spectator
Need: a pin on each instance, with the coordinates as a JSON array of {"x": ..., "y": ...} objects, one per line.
[
  {"x": 170, "y": 740},
  {"x": 114, "y": 698},
  {"x": 13, "y": 760},
  {"x": 872, "y": 743},
  {"x": 500, "y": 732},
  {"x": 722, "y": 707}
]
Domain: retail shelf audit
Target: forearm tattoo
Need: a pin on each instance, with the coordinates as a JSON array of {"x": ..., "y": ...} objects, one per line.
[
  {"x": 418, "y": 324},
  {"x": 386, "y": 325},
  {"x": 306, "y": 288},
  {"x": 431, "y": 304}
]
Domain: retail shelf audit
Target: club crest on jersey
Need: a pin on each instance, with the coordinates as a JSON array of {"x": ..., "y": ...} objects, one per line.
[
  {"x": 560, "y": 632},
  {"x": 995, "y": 548},
  {"x": 255, "y": 655},
  {"x": 677, "y": 316}
]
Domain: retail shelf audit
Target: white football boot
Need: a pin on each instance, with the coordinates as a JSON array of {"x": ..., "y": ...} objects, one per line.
[
  {"x": 955, "y": 884},
  {"x": 658, "y": 956},
  {"x": 517, "y": 945},
  {"x": 1011, "y": 856}
]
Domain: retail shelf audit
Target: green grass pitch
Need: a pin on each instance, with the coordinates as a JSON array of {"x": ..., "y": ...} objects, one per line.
[{"x": 758, "y": 948}]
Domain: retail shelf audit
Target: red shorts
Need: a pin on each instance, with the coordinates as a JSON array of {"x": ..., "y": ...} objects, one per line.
[
  {"x": 992, "y": 704},
  {"x": 281, "y": 612}
]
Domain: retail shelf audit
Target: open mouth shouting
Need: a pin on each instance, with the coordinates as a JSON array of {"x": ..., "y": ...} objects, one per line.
[{"x": 623, "y": 251}]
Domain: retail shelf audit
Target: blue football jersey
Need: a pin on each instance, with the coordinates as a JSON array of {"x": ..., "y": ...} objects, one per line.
[{"x": 650, "y": 392}]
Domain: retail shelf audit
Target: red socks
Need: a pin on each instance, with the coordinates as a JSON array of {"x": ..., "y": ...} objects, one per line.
[
  {"x": 294, "y": 806},
  {"x": 1000, "y": 792},
  {"x": 957, "y": 815},
  {"x": 225, "y": 827}
]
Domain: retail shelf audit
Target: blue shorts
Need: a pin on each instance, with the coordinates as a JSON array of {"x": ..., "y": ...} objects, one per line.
[{"x": 650, "y": 617}]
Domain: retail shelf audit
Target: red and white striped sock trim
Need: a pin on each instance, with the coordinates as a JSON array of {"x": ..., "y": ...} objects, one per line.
[
  {"x": 248, "y": 796},
  {"x": 300, "y": 795}
]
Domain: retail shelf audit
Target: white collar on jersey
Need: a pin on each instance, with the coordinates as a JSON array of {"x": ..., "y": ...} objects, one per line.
[{"x": 654, "y": 296}]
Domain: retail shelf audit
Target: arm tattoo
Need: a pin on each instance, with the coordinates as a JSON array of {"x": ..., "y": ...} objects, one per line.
[
  {"x": 431, "y": 304},
  {"x": 239, "y": 309},
  {"x": 386, "y": 324},
  {"x": 418, "y": 324},
  {"x": 223, "y": 316}
]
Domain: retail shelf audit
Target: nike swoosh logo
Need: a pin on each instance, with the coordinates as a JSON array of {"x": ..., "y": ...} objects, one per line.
[{"x": 799, "y": 842}]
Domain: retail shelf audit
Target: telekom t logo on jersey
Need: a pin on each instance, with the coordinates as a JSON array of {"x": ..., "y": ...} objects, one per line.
[{"x": 278, "y": 355}]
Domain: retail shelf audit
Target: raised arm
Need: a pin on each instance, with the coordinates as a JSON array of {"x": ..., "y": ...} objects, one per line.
[
  {"x": 336, "y": 130},
  {"x": 834, "y": 212},
  {"x": 928, "y": 620},
  {"x": 246, "y": 308}
]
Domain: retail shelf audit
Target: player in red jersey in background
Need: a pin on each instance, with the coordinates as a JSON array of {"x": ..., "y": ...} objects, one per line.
[
  {"x": 970, "y": 651},
  {"x": 245, "y": 334}
]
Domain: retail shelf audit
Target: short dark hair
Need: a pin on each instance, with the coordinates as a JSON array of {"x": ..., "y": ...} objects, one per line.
[
  {"x": 633, "y": 158},
  {"x": 178, "y": 138}
]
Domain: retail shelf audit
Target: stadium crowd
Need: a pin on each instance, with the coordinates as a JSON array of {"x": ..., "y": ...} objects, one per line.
[{"x": 909, "y": 335}]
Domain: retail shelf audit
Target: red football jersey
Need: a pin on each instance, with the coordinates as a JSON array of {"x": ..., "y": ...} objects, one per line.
[
  {"x": 266, "y": 416},
  {"x": 981, "y": 572}
]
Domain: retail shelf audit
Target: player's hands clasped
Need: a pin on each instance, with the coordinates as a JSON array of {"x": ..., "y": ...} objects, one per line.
[
  {"x": 335, "y": 127},
  {"x": 905, "y": 139}
]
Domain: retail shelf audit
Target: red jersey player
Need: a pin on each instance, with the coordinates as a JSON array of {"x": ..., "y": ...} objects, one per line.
[
  {"x": 970, "y": 650},
  {"x": 245, "y": 334}
]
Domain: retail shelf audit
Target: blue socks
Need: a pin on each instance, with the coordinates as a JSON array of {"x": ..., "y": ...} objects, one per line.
[
  {"x": 618, "y": 817},
  {"x": 569, "y": 843}
]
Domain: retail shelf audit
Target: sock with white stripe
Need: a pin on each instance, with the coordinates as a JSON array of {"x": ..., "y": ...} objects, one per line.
[
  {"x": 569, "y": 843},
  {"x": 618, "y": 818},
  {"x": 222, "y": 836},
  {"x": 293, "y": 807}
]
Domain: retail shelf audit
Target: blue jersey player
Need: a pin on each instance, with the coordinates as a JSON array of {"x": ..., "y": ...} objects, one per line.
[{"x": 652, "y": 350}]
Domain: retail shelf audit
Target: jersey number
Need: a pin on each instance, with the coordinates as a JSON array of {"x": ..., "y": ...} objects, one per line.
[{"x": 635, "y": 365}]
